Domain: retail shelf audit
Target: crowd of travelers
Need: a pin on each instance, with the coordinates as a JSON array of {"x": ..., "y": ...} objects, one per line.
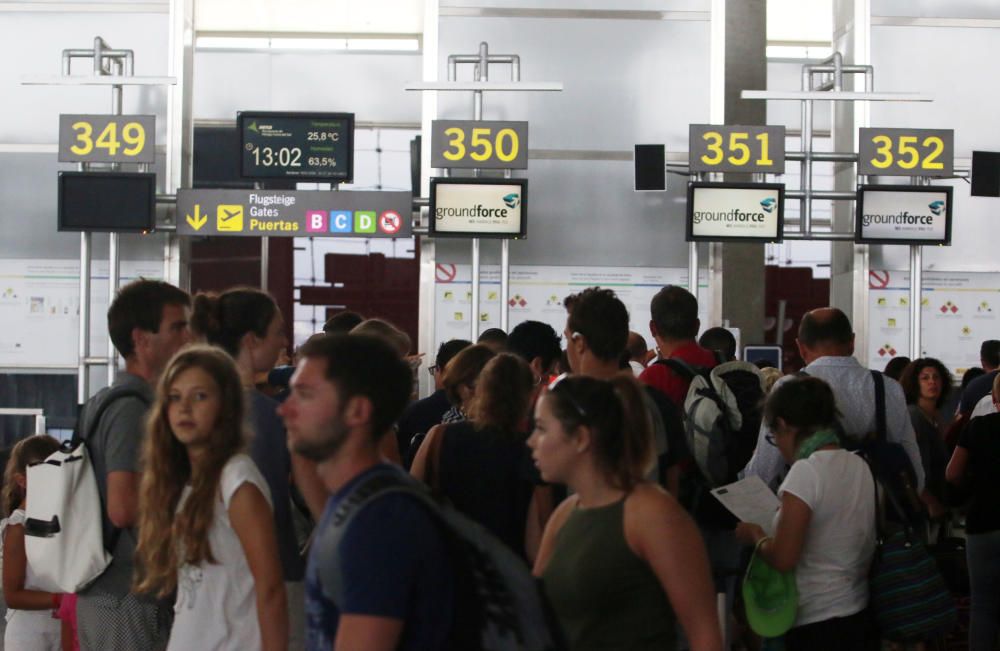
[{"x": 555, "y": 491}]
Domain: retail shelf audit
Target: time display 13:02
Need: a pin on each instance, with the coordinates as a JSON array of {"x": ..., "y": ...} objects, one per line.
[{"x": 283, "y": 156}]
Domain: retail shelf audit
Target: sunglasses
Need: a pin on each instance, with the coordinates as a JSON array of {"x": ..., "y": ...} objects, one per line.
[
  {"x": 433, "y": 369},
  {"x": 554, "y": 385}
]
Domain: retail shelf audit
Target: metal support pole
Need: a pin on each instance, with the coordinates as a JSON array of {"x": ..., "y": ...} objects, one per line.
[
  {"x": 693, "y": 268},
  {"x": 264, "y": 262},
  {"x": 916, "y": 289},
  {"x": 475, "y": 289},
  {"x": 779, "y": 335},
  {"x": 505, "y": 285},
  {"x": 83, "y": 375}
]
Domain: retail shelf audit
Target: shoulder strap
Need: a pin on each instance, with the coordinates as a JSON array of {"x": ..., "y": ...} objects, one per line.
[
  {"x": 434, "y": 460},
  {"x": 679, "y": 366},
  {"x": 880, "y": 426},
  {"x": 361, "y": 496},
  {"x": 112, "y": 395},
  {"x": 80, "y": 435}
]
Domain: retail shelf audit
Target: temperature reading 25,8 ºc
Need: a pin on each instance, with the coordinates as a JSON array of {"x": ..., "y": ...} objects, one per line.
[
  {"x": 283, "y": 156},
  {"x": 323, "y": 136}
]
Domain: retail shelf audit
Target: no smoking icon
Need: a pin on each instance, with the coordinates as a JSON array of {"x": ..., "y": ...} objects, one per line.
[{"x": 390, "y": 222}]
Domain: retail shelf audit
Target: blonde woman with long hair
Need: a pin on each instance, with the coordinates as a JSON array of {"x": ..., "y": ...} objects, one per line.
[{"x": 205, "y": 524}]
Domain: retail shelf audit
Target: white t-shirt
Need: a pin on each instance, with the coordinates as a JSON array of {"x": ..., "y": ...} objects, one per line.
[
  {"x": 216, "y": 606},
  {"x": 27, "y": 622},
  {"x": 984, "y": 407},
  {"x": 832, "y": 573}
]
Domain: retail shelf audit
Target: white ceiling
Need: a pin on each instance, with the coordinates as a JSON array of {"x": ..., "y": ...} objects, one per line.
[{"x": 310, "y": 16}]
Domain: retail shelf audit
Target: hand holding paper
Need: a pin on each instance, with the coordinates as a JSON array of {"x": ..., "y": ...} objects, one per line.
[{"x": 750, "y": 500}]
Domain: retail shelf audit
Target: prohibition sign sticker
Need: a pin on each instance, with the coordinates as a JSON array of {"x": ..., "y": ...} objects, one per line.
[
  {"x": 445, "y": 273},
  {"x": 390, "y": 222},
  {"x": 878, "y": 279}
]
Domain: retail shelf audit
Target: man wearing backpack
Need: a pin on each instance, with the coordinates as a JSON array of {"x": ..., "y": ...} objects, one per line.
[
  {"x": 148, "y": 323},
  {"x": 826, "y": 343},
  {"x": 383, "y": 580},
  {"x": 674, "y": 325}
]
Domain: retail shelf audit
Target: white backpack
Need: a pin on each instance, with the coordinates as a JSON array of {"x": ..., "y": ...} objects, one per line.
[{"x": 64, "y": 537}]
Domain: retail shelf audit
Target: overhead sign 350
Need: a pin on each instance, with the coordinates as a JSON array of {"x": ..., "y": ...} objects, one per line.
[{"x": 479, "y": 144}]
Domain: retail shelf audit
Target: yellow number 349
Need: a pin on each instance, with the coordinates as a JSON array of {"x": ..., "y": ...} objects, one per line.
[{"x": 133, "y": 135}]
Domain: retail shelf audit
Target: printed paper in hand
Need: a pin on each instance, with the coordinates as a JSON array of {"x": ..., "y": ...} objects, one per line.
[{"x": 750, "y": 500}]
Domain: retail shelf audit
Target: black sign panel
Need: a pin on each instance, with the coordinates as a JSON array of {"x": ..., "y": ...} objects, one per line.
[{"x": 301, "y": 146}]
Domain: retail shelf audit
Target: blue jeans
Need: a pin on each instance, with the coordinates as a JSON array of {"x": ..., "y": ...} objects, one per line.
[{"x": 983, "y": 553}]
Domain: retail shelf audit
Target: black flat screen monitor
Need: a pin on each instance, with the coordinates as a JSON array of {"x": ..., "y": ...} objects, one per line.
[
  {"x": 307, "y": 147},
  {"x": 496, "y": 208},
  {"x": 772, "y": 355},
  {"x": 735, "y": 212},
  {"x": 107, "y": 201},
  {"x": 903, "y": 214},
  {"x": 985, "y": 174}
]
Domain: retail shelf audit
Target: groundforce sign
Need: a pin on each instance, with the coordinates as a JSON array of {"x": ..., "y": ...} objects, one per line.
[
  {"x": 735, "y": 211},
  {"x": 479, "y": 208},
  {"x": 903, "y": 214}
]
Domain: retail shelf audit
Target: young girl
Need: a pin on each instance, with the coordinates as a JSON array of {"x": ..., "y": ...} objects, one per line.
[
  {"x": 30, "y": 625},
  {"x": 205, "y": 524},
  {"x": 620, "y": 559}
]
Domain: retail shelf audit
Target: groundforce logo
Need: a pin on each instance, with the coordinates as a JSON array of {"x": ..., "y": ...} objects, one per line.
[
  {"x": 898, "y": 219},
  {"x": 478, "y": 210},
  {"x": 731, "y": 216}
]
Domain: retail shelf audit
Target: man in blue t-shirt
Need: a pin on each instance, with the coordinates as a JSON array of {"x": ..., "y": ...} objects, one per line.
[{"x": 386, "y": 583}]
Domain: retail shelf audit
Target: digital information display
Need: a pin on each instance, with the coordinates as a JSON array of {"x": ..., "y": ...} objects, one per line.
[
  {"x": 294, "y": 213},
  {"x": 303, "y": 146},
  {"x": 107, "y": 201},
  {"x": 495, "y": 208},
  {"x": 718, "y": 212},
  {"x": 903, "y": 214}
]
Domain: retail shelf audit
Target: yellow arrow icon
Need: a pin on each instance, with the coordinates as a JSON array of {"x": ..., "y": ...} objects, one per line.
[{"x": 199, "y": 219}]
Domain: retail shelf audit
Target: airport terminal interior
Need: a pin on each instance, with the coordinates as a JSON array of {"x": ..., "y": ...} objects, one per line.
[{"x": 798, "y": 194}]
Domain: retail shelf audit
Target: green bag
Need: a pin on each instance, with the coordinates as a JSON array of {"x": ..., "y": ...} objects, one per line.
[{"x": 770, "y": 597}]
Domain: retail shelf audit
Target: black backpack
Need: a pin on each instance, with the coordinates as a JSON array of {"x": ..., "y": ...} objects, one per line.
[
  {"x": 498, "y": 604},
  {"x": 723, "y": 420}
]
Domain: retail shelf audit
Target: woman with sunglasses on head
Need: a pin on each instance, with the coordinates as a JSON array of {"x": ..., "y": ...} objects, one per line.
[
  {"x": 620, "y": 560},
  {"x": 825, "y": 527}
]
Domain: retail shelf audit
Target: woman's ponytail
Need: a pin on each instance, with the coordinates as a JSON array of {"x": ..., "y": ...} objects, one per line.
[{"x": 636, "y": 430}]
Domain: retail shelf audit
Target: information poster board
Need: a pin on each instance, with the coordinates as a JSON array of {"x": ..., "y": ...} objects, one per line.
[
  {"x": 40, "y": 309},
  {"x": 958, "y": 312},
  {"x": 741, "y": 212},
  {"x": 496, "y": 208},
  {"x": 537, "y": 293},
  {"x": 903, "y": 214}
]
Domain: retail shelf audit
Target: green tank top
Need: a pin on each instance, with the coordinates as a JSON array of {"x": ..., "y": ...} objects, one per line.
[{"x": 605, "y": 596}]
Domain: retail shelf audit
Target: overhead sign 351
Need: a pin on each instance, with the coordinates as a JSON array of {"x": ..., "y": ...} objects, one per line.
[{"x": 751, "y": 149}]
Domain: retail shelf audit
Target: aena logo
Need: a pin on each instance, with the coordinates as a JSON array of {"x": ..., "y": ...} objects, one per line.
[
  {"x": 512, "y": 200},
  {"x": 253, "y": 127},
  {"x": 937, "y": 207},
  {"x": 768, "y": 204}
]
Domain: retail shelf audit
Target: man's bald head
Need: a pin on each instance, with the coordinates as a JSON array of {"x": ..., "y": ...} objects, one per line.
[{"x": 825, "y": 331}]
